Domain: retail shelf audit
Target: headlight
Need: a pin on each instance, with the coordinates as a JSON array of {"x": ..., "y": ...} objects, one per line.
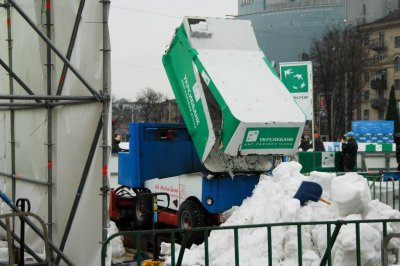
[{"x": 209, "y": 201}]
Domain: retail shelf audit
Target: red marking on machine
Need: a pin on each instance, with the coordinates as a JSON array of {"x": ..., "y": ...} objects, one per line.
[
  {"x": 182, "y": 191},
  {"x": 172, "y": 191},
  {"x": 168, "y": 218}
]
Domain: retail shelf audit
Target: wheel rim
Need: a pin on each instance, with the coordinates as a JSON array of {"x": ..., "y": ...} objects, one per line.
[
  {"x": 139, "y": 211},
  {"x": 186, "y": 220}
]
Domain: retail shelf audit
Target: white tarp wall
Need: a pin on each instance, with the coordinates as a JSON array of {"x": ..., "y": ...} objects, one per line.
[{"x": 73, "y": 126}]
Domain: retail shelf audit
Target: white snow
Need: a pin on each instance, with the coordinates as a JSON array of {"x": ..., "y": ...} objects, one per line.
[
  {"x": 351, "y": 193},
  {"x": 117, "y": 245},
  {"x": 3, "y": 252},
  {"x": 272, "y": 202}
]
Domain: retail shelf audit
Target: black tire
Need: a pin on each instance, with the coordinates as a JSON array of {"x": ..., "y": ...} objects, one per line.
[
  {"x": 191, "y": 214},
  {"x": 142, "y": 212}
]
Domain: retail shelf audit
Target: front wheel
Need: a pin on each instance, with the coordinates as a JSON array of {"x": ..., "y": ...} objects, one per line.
[
  {"x": 191, "y": 214},
  {"x": 142, "y": 212}
]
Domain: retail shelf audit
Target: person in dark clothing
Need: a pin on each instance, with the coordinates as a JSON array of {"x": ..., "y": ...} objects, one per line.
[
  {"x": 396, "y": 138},
  {"x": 349, "y": 152},
  {"x": 304, "y": 144},
  {"x": 319, "y": 145},
  {"x": 115, "y": 143}
]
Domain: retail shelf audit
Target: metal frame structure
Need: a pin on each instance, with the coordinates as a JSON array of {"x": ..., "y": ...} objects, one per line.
[
  {"x": 42, "y": 234},
  {"x": 379, "y": 155},
  {"x": 11, "y": 235},
  {"x": 50, "y": 101},
  {"x": 384, "y": 247}
]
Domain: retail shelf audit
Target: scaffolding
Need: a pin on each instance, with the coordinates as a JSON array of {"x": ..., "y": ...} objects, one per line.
[{"x": 98, "y": 99}]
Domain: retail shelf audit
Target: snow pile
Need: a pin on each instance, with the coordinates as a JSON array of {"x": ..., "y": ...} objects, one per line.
[
  {"x": 117, "y": 245},
  {"x": 272, "y": 202},
  {"x": 351, "y": 193},
  {"x": 3, "y": 252}
]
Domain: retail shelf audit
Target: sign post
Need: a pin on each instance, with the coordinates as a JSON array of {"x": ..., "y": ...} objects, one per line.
[{"x": 298, "y": 79}]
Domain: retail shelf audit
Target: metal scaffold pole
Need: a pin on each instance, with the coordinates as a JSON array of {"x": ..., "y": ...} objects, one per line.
[
  {"x": 49, "y": 128},
  {"x": 12, "y": 113},
  {"x": 106, "y": 100}
]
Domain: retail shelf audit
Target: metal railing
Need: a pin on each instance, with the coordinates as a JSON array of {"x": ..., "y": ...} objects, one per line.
[
  {"x": 41, "y": 233},
  {"x": 386, "y": 189},
  {"x": 327, "y": 258},
  {"x": 382, "y": 161},
  {"x": 384, "y": 247},
  {"x": 11, "y": 235}
]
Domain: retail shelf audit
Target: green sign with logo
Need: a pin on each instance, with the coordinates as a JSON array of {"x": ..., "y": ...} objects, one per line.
[
  {"x": 295, "y": 78},
  {"x": 270, "y": 138}
]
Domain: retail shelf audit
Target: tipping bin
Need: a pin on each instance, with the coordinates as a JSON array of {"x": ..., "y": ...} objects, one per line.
[{"x": 236, "y": 109}]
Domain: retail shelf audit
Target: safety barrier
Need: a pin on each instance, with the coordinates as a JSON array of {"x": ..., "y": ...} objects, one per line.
[
  {"x": 376, "y": 161},
  {"x": 386, "y": 189},
  {"x": 331, "y": 237},
  {"x": 366, "y": 161},
  {"x": 384, "y": 247}
]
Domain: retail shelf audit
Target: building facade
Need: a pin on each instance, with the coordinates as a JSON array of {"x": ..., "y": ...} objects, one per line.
[
  {"x": 285, "y": 28},
  {"x": 382, "y": 39}
]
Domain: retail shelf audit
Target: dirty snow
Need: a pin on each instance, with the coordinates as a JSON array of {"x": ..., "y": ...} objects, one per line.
[{"x": 272, "y": 202}]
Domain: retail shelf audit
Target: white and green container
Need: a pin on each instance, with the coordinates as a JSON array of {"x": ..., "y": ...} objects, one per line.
[{"x": 236, "y": 109}]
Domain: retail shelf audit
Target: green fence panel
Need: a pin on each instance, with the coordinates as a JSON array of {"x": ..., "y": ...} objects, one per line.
[
  {"x": 299, "y": 246},
  {"x": 325, "y": 161},
  {"x": 325, "y": 259}
]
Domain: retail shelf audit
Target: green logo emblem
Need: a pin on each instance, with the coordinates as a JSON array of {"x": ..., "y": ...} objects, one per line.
[
  {"x": 270, "y": 138},
  {"x": 295, "y": 78}
]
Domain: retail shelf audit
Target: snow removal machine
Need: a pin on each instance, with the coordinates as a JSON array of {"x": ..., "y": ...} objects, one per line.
[{"x": 238, "y": 116}]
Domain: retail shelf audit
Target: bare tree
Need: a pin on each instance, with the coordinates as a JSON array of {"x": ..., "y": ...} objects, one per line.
[
  {"x": 121, "y": 115},
  {"x": 149, "y": 104},
  {"x": 339, "y": 58}
]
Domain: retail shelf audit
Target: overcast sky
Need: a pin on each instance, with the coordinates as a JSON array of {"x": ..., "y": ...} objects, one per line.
[{"x": 140, "y": 31}]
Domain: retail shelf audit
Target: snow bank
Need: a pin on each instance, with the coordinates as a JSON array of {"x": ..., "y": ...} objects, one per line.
[
  {"x": 3, "y": 252},
  {"x": 117, "y": 245},
  {"x": 272, "y": 202}
]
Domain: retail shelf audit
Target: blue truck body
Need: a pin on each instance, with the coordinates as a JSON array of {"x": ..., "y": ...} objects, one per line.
[
  {"x": 153, "y": 155},
  {"x": 166, "y": 150}
]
